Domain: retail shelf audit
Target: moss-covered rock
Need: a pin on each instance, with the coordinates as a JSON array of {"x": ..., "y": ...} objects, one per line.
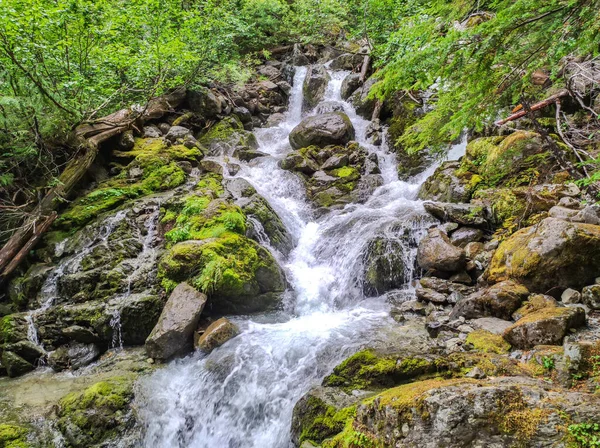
[
  {"x": 98, "y": 414},
  {"x": 13, "y": 436},
  {"x": 487, "y": 342},
  {"x": 227, "y": 135},
  {"x": 235, "y": 272},
  {"x": 549, "y": 257},
  {"x": 384, "y": 266},
  {"x": 500, "y": 300},
  {"x": 446, "y": 186}
]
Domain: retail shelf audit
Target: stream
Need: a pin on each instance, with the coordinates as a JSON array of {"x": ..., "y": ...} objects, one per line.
[{"x": 243, "y": 393}]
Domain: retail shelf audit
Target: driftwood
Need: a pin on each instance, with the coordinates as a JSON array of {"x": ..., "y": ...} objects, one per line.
[
  {"x": 365, "y": 68},
  {"x": 537, "y": 106},
  {"x": 87, "y": 138}
]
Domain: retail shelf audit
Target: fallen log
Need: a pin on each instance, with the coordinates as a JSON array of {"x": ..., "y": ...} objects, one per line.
[
  {"x": 365, "y": 68},
  {"x": 87, "y": 139},
  {"x": 537, "y": 106}
]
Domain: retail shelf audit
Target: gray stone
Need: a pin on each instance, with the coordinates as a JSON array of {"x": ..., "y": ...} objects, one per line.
[
  {"x": 298, "y": 57},
  {"x": 73, "y": 356},
  {"x": 15, "y": 365},
  {"x": 178, "y": 320},
  {"x": 591, "y": 296},
  {"x": 500, "y": 300},
  {"x": 349, "y": 85},
  {"x": 329, "y": 106},
  {"x": 347, "y": 61},
  {"x": 444, "y": 185},
  {"x": 466, "y": 235},
  {"x": 321, "y": 130},
  {"x": 204, "y": 102},
  {"x": 464, "y": 214},
  {"x": 437, "y": 252},
  {"x": 177, "y": 132},
  {"x": 570, "y": 296},
  {"x": 491, "y": 324},
  {"x": 152, "y": 132},
  {"x": 315, "y": 84},
  {"x": 429, "y": 295}
]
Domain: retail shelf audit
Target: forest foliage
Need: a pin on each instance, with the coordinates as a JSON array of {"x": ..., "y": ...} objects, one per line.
[{"x": 63, "y": 62}]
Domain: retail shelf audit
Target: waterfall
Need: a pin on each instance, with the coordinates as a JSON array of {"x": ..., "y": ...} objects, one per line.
[{"x": 243, "y": 393}]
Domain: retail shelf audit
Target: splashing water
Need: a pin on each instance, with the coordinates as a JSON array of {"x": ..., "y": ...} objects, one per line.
[
  {"x": 117, "y": 333},
  {"x": 243, "y": 393}
]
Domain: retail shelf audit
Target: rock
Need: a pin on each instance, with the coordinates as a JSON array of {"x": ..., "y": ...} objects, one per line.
[
  {"x": 500, "y": 300},
  {"x": 465, "y": 214},
  {"x": 445, "y": 186},
  {"x": 178, "y": 320},
  {"x": 535, "y": 302},
  {"x": 562, "y": 213},
  {"x": 315, "y": 85},
  {"x": 437, "y": 252},
  {"x": 347, "y": 61},
  {"x": 335, "y": 161},
  {"x": 570, "y": 202},
  {"x": 476, "y": 373},
  {"x": 248, "y": 154},
  {"x": 466, "y": 235},
  {"x": 298, "y": 57},
  {"x": 360, "y": 99},
  {"x": 547, "y": 326},
  {"x": 570, "y": 296},
  {"x": 73, "y": 356},
  {"x": 299, "y": 163},
  {"x": 320, "y": 414},
  {"x": 412, "y": 306},
  {"x": 552, "y": 256},
  {"x": 589, "y": 215},
  {"x": 163, "y": 127},
  {"x": 151, "y": 132},
  {"x": 100, "y": 413},
  {"x": 204, "y": 102},
  {"x": 275, "y": 120},
  {"x": 321, "y": 130},
  {"x": 329, "y": 106},
  {"x": 349, "y": 85},
  {"x": 177, "y": 133},
  {"x": 126, "y": 141},
  {"x": 15, "y": 365},
  {"x": 591, "y": 296},
  {"x": 27, "y": 350},
  {"x": 461, "y": 277},
  {"x": 491, "y": 324},
  {"x": 80, "y": 334},
  {"x": 217, "y": 334},
  {"x": 445, "y": 286},
  {"x": 211, "y": 166},
  {"x": 429, "y": 295},
  {"x": 226, "y": 136},
  {"x": 384, "y": 266}
]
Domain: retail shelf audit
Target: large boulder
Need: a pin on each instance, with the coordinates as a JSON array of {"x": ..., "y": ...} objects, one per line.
[
  {"x": 465, "y": 214},
  {"x": 228, "y": 135},
  {"x": 547, "y": 326},
  {"x": 205, "y": 102},
  {"x": 315, "y": 84},
  {"x": 73, "y": 356},
  {"x": 334, "y": 128},
  {"x": 549, "y": 257},
  {"x": 237, "y": 274},
  {"x": 500, "y": 300},
  {"x": 362, "y": 101},
  {"x": 178, "y": 320},
  {"x": 347, "y": 61},
  {"x": 590, "y": 296},
  {"x": 15, "y": 365},
  {"x": 436, "y": 252}
]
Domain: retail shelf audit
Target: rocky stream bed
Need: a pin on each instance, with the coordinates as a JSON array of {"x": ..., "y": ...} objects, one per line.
[{"x": 267, "y": 267}]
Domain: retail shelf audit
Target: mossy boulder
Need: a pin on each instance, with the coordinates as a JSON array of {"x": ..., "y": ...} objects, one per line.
[
  {"x": 446, "y": 186},
  {"x": 226, "y": 136},
  {"x": 547, "y": 326},
  {"x": 15, "y": 365},
  {"x": 98, "y": 414},
  {"x": 334, "y": 128},
  {"x": 487, "y": 342},
  {"x": 236, "y": 273},
  {"x": 384, "y": 267},
  {"x": 362, "y": 101},
  {"x": 13, "y": 436},
  {"x": 549, "y": 257}
]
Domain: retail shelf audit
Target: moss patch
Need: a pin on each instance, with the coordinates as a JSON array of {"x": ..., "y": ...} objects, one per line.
[
  {"x": 487, "y": 342},
  {"x": 13, "y": 436}
]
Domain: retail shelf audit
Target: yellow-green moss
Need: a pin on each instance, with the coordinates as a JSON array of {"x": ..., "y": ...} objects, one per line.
[
  {"x": 487, "y": 342},
  {"x": 363, "y": 370},
  {"x": 320, "y": 421},
  {"x": 13, "y": 436},
  {"x": 353, "y": 435},
  {"x": 346, "y": 172}
]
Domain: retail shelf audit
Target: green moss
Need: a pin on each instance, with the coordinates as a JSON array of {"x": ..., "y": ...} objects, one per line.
[
  {"x": 8, "y": 331},
  {"x": 320, "y": 421},
  {"x": 487, "y": 342},
  {"x": 13, "y": 436},
  {"x": 347, "y": 173},
  {"x": 353, "y": 435},
  {"x": 229, "y": 130},
  {"x": 362, "y": 370},
  {"x": 95, "y": 410}
]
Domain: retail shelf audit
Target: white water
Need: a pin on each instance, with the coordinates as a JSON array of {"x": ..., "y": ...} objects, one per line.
[{"x": 243, "y": 393}]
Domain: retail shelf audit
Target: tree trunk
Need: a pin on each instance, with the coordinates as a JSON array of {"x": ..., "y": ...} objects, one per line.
[
  {"x": 87, "y": 138},
  {"x": 365, "y": 68},
  {"x": 537, "y": 106}
]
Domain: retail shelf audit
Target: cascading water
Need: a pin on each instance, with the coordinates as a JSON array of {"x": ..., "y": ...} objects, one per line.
[{"x": 243, "y": 393}]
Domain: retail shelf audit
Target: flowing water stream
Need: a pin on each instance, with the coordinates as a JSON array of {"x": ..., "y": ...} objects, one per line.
[{"x": 243, "y": 393}]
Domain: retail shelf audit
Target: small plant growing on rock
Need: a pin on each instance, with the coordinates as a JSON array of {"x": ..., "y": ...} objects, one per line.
[{"x": 585, "y": 434}]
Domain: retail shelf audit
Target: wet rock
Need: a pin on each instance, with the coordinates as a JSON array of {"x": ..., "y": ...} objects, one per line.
[
  {"x": 73, "y": 356},
  {"x": 349, "y": 85},
  {"x": 547, "y": 326},
  {"x": 347, "y": 61},
  {"x": 315, "y": 85},
  {"x": 275, "y": 119},
  {"x": 445, "y": 186},
  {"x": 27, "y": 350},
  {"x": 137, "y": 314},
  {"x": 15, "y": 365},
  {"x": 360, "y": 99},
  {"x": 570, "y": 296},
  {"x": 298, "y": 57},
  {"x": 226, "y": 136},
  {"x": 464, "y": 214},
  {"x": 500, "y": 300},
  {"x": 329, "y": 106},
  {"x": 321, "y": 130},
  {"x": 80, "y": 334},
  {"x": 217, "y": 334},
  {"x": 436, "y": 252},
  {"x": 384, "y": 266},
  {"x": 551, "y": 256},
  {"x": 248, "y": 154},
  {"x": 23, "y": 291},
  {"x": 211, "y": 166},
  {"x": 178, "y": 320},
  {"x": 591, "y": 296}
]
